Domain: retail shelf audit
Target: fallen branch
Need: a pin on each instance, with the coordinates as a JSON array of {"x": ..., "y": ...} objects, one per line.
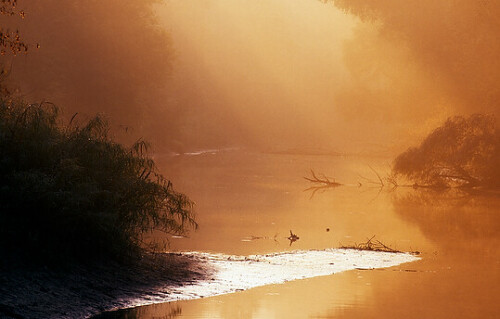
[
  {"x": 376, "y": 173},
  {"x": 372, "y": 245},
  {"x": 380, "y": 181},
  {"x": 324, "y": 181}
]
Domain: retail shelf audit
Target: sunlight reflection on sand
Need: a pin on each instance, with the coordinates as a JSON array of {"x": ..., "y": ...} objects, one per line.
[{"x": 236, "y": 273}]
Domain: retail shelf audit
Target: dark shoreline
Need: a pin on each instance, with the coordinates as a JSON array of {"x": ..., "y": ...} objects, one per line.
[{"x": 83, "y": 291}]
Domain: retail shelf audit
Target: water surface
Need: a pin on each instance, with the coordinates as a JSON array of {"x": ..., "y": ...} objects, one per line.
[{"x": 247, "y": 203}]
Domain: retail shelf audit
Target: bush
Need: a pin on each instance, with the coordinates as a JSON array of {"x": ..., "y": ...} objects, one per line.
[
  {"x": 71, "y": 192},
  {"x": 463, "y": 152}
]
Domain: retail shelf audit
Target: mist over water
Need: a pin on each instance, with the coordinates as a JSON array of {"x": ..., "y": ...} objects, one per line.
[
  {"x": 248, "y": 202},
  {"x": 309, "y": 76},
  {"x": 265, "y": 71},
  {"x": 418, "y": 63},
  {"x": 253, "y": 95}
]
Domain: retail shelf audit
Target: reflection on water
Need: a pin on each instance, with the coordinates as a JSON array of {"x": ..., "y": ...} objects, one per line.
[
  {"x": 246, "y": 195},
  {"x": 167, "y": 311},
  {"x": 247, "y": 204}
]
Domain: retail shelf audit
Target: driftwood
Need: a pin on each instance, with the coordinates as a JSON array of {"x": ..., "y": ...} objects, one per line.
[
  {"x": 320, "y": 183},
  {"x": 373, "y": 245},
  {"x": 252, "y": 238},
  {"x": 380, "y": 181},
  {"x": 390, "y": 182},
  {"x": 323, "y": 181}
]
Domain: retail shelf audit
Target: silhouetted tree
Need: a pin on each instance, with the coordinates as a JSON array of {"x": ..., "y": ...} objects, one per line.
[
  {"x": 462, "y": 152},
  {"x": 70, "y": 192}
]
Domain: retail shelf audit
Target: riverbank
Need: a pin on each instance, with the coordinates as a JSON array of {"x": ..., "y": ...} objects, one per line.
[{"x": 82, "y": 292}]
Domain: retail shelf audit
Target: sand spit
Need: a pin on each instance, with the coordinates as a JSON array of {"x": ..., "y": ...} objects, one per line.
[{"x": 84, "y": 292}]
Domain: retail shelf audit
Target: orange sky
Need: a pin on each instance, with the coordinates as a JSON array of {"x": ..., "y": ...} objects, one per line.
[
  {"x": 349, "y": 76},
  {"x": 269, "y": 67}
]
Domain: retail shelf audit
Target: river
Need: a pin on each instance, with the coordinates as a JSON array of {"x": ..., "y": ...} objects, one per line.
[{"x": 248, "y": 202}]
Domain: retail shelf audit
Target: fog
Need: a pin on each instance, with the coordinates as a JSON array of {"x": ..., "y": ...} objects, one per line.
[
  {"x": 414, "y": 64},
  {"x": 106, "y": 57},
  {"x": 266, "y": 70},
  {"x": 305, "y": 75}
]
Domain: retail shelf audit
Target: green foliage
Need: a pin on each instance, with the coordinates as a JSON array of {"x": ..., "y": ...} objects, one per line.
[
  {"x": 71, "y": 192},
  {"x": 462, "y": 152}
]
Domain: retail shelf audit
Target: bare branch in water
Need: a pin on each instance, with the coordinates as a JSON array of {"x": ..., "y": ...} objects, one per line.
[
  {"x": 320, "y": 184},
  {"x": 372, "y": 244},
  {"x": 324, "y": 181},
  {"x": 378, "y": 176}
]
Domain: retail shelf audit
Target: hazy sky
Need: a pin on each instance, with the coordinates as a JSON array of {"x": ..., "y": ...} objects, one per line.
[
  {"x": 358, "y": 76},
  {"x": 273, "y": 74},
  {"x": 266, "y": 70}
]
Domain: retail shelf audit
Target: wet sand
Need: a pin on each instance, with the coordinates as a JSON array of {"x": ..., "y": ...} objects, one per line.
[{"x": 83, "y": 292}]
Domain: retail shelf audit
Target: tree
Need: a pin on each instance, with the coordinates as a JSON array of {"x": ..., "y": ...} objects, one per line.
[
  {"x": 109, "y": 56},
  {"x": 462, "y": 152},
  {"x": 71, "y": 192},
  {"x": 11, "y": 41}
]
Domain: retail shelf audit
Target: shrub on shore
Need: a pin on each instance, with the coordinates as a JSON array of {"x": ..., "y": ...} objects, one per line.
[
  {"x": 463, "y": 152},
  {"x": 71, "y": 192}
]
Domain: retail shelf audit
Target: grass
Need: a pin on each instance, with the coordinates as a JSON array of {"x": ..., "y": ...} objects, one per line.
[{"x": 70, "y": 192}]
